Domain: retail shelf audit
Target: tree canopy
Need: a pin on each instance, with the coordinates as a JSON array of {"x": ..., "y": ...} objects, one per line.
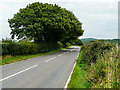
[{"x": 45, "y": 22}]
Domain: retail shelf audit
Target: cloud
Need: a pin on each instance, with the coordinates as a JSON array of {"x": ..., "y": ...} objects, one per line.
[
  {"x": 99, "y": 1},
  {"x": 4, "y": 6},
  {"x": 98, "y": 16}
]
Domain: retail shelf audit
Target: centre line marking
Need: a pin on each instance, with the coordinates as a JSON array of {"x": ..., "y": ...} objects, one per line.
[
  {"x": 18, "y": 73},
  {"x": 50, "y": 59},
  {"x": 60, "y": 55}
]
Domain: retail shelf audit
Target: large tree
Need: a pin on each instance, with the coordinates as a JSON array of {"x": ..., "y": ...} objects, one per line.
[{"x": 45, "y": 22}]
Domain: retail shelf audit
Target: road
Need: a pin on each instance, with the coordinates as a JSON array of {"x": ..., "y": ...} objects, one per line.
[{"x": 48, "y": 71}]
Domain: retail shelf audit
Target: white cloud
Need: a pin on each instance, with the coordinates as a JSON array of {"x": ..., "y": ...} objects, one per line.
[
  {"x": 4, "y": 6},
  {"x": 96, "y": 15},
  {"x": 108, "y": 1}
]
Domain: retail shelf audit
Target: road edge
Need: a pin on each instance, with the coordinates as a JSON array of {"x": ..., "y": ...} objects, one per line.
[
  {"x": 22, "y": 60},
  {"x": 66, "y": 85},
  {"x": 69, "y": 78}
]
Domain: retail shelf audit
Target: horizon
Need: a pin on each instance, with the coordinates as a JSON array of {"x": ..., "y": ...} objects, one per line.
[{"x": 78, "y": 38}]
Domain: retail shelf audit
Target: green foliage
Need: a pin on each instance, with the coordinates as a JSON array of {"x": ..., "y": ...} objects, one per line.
[
  {"x": 0, "y": 51},
  {"x": 45, "y": 23},
  {"x": 60, "y": 44},
  {"x": 86, "y": 41},
  {"x": 10, "y": 59},
  {"x": 7, "y": 40},
  {"x": 100, "y": 59},
  {"x": 95, "y": 49},
  {"x": 25, "y": 47},
  {"x": 116, "y": 85},
  {"x": 67, "y": 44},
  {"x": 113, "y": 40},
  {"x": 79, "y": 76},
  {"x": 78, "y": 42},
  {"x": 100, "y": 72},
  {"x": 78, "y": 79}
]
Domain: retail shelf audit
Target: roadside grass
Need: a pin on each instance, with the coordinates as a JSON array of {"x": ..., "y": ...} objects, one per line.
[
  {"x": 97, "y": 66},
  {"x": 11, "y": 59},
  {"x": 78, "y": 78}
]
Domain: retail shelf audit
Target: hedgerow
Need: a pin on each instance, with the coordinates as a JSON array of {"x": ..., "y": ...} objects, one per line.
[
  {"x": 101, "y": 60},
  {"x": 25, "y": 47}
]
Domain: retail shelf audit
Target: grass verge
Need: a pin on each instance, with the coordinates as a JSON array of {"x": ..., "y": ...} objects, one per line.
[
  {"x": 20, "y": 58},
  {"x": 78, "y": 78}
]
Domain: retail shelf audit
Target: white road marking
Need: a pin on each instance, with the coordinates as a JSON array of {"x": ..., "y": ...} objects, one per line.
[
  {"x": 18, "y": 73},
  {"x": 50, "y": 59},
  {"x": 60, "y": 55},
  {"x": 66, "y": 85},
  {"x": 20, "y": 61},
  {"x": 64, "y": 53}
]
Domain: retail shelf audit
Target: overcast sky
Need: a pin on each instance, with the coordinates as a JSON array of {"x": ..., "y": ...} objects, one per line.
[{"x": 99, "y": 17}]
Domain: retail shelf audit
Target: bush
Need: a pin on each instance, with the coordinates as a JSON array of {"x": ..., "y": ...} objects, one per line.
[
  {"x": 60, "y": 44},
  {"x": 25, "y": 47},
  {"x": 101, "y": 63},
  {"x": 13, "y": 49},
  {"x": 95, "y": 49},
  {"x": 4, "y": 49},
  {"x": 67, "y": 44}
]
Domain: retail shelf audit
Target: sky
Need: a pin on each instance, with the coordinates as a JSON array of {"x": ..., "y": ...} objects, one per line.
[{"x": 99, "y": 17}]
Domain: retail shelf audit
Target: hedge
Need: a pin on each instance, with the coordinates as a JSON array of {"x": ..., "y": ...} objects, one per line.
[{"x": 25, "y": 48}]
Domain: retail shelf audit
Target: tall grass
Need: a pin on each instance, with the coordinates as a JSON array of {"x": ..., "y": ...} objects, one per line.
[
  {"x": 78, "y": 78},
  {"x": 101, "y": 63},
  {"x": 105, "y": 72}
]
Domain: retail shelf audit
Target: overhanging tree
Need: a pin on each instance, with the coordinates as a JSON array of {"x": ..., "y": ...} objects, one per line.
[{"x": 45, "y": 23}]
